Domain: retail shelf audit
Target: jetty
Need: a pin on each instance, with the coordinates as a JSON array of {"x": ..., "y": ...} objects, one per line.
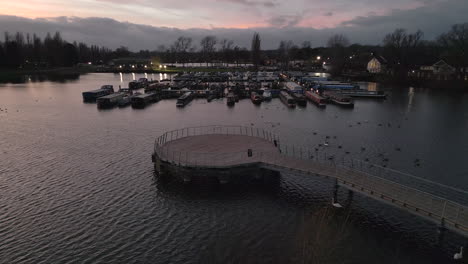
[{"x": 225, "y": 152}]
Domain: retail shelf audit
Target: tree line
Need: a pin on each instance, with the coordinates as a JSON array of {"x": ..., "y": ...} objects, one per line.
[
  {"x": 402, "y": 50},
  {"x": 25, "y": 50}
]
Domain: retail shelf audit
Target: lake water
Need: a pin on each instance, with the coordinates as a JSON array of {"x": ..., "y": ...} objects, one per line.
[{"x": 77, "y": 184}]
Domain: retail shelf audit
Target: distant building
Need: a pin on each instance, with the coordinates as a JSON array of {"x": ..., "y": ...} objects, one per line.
[
  {"x": 377, "y": 64},
  {"x": 440, "y": 67}
]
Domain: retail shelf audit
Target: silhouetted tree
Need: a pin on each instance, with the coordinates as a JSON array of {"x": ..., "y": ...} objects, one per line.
[
  {"x": 207, "y": 45},
  {"x": 226, "y": 49},
  {"x": 455, "y": 44},
  {"x": 70, "y": 55},
  {"x": 284, "y": 51},
  {"x": 181, "y": 47},
  {"x": 256, "y": 50},
  {"x": 2, "y": 56},
  {"x": 338, "y": 54},
  {"x": 400, "y": 49}
]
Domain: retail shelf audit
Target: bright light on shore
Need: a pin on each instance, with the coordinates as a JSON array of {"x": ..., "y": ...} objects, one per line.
[
  {"x": 133, "y": 66},
  {"x": 165, "y": 66},
  {"x": 318, "y": 57}
]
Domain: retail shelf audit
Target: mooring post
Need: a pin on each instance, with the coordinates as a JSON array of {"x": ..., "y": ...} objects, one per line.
[{"x": 335, "y": 195}]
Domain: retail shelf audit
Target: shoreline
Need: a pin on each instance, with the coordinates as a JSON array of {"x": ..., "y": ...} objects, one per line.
[{"x": 18, "y": 76}]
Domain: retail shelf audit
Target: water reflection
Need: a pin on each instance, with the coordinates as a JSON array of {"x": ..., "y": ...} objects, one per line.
[{"x": 55, "y": 77}]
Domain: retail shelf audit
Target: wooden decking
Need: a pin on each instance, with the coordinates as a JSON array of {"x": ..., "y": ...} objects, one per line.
[{"x": 215, "y": 148}]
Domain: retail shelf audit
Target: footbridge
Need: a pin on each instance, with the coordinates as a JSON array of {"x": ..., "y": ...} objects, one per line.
[{"x": 228, "y": 147}]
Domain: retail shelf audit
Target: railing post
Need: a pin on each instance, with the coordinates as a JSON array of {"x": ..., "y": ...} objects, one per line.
[{"x": 257, "y": 132}]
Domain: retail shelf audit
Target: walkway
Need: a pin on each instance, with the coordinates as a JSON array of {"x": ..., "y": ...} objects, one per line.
[{"x": 227, "y": 146}]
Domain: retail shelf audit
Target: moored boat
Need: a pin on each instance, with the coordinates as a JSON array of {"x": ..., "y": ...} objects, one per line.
[
  {"x": 287, "y": 99},
  {"x": 300, "y": 99},
  {"x": 110, "y": 100},
  {"x": 91, "y": 96},
  {"x": 184, "y": 99},
  {"x": 256, "y": 98},
  {"x": 142, "y": 100},
  {"x": 267, "y": 95},
  {"x": 364, "y": 93},
  {"x": 231, "y": 99},
  {"x": 125, "y": 101},
  {"x": 340, "y": 100},
  {"x": 316, "y": 98}
]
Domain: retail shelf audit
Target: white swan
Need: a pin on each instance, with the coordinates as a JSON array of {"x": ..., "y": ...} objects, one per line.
[{"x": 458, "y": 255}]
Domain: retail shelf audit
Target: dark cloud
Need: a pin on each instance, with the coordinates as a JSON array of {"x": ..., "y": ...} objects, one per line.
[
  {"x": 328, "y": 14},
  {"x": 432, "y": 19},
  {"x": 252, "y": 3},
  {"x": 284, "y": 21}
]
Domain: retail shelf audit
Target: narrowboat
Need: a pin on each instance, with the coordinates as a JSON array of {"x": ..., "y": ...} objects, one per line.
[
  {"x": 142, "y": 100},
  {"x": 184, "y": 99},
  {"x": 287, "y": 99},
  {"x": 256, "y": 98},
  {"x": 125, "y": 101},
  {"x": 110, "y": 100},
  {"x": 134, "y": 85},
  {"x": 333, "y": 85},
  {"x": 340, "y": 100},
  {"x": 364, "y": 93},
  {"x": 267, "y": 95},
  {"x": 91, "y": 96},
  {"x": 300, "y": 99},
  {"x": 316, "y": 98},
  {"x": 293, "y": 87},
  {"x": 231, "y": 99}
]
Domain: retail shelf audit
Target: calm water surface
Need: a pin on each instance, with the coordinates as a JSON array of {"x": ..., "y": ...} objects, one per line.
[{"x": 77, "y": 184}]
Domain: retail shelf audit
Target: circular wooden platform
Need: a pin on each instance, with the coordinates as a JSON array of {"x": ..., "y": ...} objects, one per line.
[{"x": 217, "y": 150}]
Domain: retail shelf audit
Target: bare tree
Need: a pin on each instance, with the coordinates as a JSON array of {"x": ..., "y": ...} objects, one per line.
[
  {"x": 338, "y": 40},
  {"x": 455, "y": 44},
  {"x": 284, "y": 51},
  {"x": 401, "y": 48},
  {"x": 207, "y": 45},
  {"x": 181, "y": 47},
  {"x": 337, "y": 45},
  {"x": 256, "y": 50},
  {"x": 226, "y": 49}
]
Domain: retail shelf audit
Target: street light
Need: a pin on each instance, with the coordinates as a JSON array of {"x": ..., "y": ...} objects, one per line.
[
  {"x": 318, "y": 57},
  {"x": 165, "y": 66}
]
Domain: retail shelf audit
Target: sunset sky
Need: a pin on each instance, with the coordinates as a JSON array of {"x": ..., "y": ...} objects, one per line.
[{"x": 365, "y": 20}]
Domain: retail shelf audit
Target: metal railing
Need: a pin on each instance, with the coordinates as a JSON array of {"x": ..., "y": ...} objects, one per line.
[
  {"x": 435, "y": 200},
  {"x": 214, "y": 130}
]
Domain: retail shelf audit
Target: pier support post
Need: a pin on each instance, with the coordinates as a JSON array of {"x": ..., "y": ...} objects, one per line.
[{"x": 335, "y": 195}]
